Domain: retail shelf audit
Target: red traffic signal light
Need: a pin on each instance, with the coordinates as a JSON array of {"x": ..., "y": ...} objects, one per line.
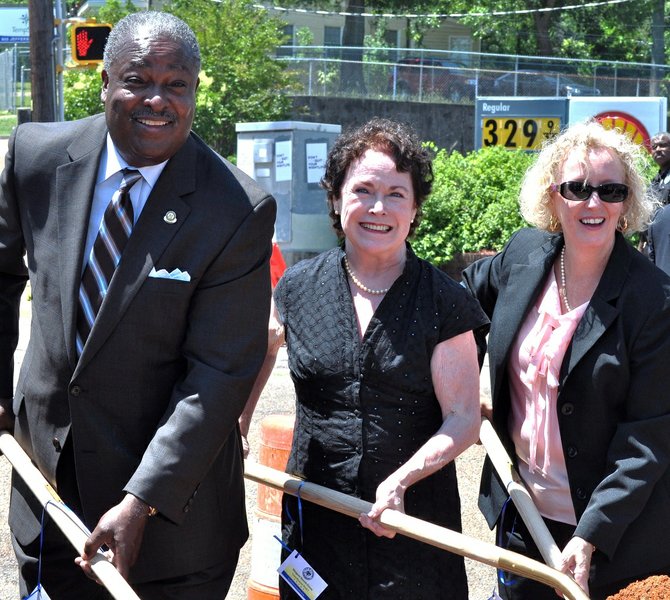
[{"x": 88, "y": 42}]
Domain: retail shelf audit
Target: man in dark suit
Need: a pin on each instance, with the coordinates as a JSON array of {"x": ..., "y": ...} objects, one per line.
[
  {"x": 138, "y": 417},
  {"x": 658, "y": 239},
  {"x": 658, "y": 234},
  {"x": 660, "y": 184},
  {"x": 660, "y": 150}
]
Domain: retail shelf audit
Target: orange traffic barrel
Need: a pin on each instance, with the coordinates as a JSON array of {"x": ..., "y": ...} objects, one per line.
[{"x": 276, "y": 438}]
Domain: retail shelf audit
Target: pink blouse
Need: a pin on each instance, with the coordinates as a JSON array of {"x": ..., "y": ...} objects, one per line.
[{"x": 534, "y": 367}]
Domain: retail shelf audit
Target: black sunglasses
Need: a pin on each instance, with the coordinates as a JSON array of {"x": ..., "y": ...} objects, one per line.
[{"x": 579, "y": 191}]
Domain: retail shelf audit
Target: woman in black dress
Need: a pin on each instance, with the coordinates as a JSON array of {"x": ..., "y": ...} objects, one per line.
[{"x": 384, "y": 362}]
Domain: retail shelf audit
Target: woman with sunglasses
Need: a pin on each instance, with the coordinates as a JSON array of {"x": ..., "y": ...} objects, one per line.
[{"x": 580, "y": 379}]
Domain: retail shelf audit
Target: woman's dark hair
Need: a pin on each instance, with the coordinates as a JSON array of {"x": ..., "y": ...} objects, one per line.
[{"x": 399, "y": 141}]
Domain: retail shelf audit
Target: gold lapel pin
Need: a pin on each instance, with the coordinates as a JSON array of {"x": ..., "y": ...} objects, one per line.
[{"x": 170, "y": 217}]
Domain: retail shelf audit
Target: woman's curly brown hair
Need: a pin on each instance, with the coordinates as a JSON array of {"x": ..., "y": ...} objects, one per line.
[{"x": 399, "y": 141}]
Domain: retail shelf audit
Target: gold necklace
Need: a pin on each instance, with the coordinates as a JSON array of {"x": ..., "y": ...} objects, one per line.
[
  {"x": 359, "y": 283},
  {"x": 563, "y": 290}
]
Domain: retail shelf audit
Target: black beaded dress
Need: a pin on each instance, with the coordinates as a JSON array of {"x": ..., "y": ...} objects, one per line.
[{"x": 364, "y": 407}]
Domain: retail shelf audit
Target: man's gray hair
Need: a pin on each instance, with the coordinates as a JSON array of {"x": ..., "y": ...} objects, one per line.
[{"x": 161, "y": 24}]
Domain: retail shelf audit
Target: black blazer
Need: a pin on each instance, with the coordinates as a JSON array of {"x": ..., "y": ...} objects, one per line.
[
  {"x": 152, "y": 403},
  {"x": 658, "y": 239},
  {"x": 613, "y": 399}
]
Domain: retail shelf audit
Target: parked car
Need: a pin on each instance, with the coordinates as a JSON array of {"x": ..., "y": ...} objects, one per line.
[
  {"x": 540, "y": 84},
  {"x": 421, "y": 76}
]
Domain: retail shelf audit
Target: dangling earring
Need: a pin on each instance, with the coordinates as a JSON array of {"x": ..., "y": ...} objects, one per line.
[
  {"x": 337, "y": 212},
  {"x": 622, "y": 225},
  {"x": 554, "y": 223}
]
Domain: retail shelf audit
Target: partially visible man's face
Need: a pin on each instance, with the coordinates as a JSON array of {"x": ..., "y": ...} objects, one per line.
[
  {"x": 660, "y": 150},
  {"x": 149, "y": 97}
]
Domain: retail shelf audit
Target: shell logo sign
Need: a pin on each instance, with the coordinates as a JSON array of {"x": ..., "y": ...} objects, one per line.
[{"x": 627, "y": 124}]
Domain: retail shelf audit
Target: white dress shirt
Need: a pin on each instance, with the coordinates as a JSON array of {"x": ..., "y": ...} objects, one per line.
[{"x": 107, "y": 184}]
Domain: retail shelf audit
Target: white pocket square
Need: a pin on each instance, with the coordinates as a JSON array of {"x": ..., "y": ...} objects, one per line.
[{"x": 176, "y": 274}]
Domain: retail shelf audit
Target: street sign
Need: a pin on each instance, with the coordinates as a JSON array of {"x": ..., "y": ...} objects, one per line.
[
  {"x": 638, "y": 118},
  {"x": 14, "y": 24},
  {"x": 518, "y": 123},
  {"x": 88, "y": 42},
  {"x": 525, "y": 133}
]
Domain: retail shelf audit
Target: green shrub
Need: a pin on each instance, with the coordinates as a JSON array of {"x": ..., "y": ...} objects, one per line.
[
  {"x": 82, "y": 93},
  {"x": 474, "y": 205},
  {"x": 7, "y": 123}
]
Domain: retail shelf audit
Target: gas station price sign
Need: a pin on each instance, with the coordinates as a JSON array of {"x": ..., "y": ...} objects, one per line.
[
  {"x": 518, "y": 123},
  {"x": 525, "y": 133}
]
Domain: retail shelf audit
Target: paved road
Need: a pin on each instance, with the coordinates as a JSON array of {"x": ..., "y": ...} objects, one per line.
[{"x": 276, "y": 399}]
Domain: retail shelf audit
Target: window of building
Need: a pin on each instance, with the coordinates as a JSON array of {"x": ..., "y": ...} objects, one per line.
[
  {"x": 391, "y": 42},
  {"x": 288, "y": 41},
  {"x": 332, "y": 36},
  {"x": 461, "y": 43},
  {"x": 391, "y": 38}
]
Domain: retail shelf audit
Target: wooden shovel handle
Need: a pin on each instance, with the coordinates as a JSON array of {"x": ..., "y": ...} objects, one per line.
[
  {"x": 74, "y": 529},
  {"x": 437, "y": 536},
  {"x": 519, "y": 494}
]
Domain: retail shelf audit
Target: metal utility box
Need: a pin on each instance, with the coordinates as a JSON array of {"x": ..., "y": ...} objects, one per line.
[{"x": 288, "y": 159}]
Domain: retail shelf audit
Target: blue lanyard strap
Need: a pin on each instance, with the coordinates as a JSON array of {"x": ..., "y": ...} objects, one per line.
[
  {"x": 501, "y": 542},
  {"x": 288, "y": 514}
]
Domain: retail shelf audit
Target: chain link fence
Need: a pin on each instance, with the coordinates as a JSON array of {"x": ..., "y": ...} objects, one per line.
[
  {"x": 8, "y": 79},
  {"x": 434, "y": 76}
]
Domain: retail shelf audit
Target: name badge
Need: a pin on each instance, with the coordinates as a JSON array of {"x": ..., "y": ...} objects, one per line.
[
  {"x": 302, "y": 578},
  {"x": 39, "y": 593}
]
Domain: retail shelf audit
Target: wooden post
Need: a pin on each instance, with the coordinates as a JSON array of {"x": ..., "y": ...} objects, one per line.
[{"x": 41, "y": 23}]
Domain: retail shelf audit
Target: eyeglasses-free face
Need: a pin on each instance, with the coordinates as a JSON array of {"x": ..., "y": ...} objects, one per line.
[{"x": 578, "y": 191}]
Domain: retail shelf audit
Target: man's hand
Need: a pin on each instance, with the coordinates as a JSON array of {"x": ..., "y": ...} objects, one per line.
[
  {"x": 6, "y": 416},
  {"x": 245, "y": 446},
  {"x": 121, "y": 528}
]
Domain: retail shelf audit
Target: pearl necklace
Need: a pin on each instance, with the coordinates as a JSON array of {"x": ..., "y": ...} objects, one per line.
[
  {"x": 358, "y": 282},
  {"x": 563, "y": 291}
]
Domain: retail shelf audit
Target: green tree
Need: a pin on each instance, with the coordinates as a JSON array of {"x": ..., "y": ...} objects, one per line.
[
  {"x": 610, "y": 32},
  {"x": 353, "y": 32},
  {"x": 240, "y": 81},
  {"x": 82, "y": 85},
  {"x": 113, "y": 11}
]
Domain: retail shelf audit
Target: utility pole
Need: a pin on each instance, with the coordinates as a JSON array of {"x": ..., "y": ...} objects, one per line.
[{"x": 41, "y": 22}]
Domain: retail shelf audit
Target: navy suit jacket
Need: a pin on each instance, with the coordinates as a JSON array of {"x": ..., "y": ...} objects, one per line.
[
  {"x": 613, "y": 401},
  {"x": 152, "y": 403}
]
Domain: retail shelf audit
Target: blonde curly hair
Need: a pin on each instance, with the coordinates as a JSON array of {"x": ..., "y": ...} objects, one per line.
[{"x": 535, "y": 196}]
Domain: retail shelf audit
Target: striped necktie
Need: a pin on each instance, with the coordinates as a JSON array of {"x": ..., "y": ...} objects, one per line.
[{"x": 117, "y": 223}]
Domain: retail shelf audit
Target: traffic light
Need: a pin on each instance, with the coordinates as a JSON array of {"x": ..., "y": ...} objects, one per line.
[{"x": 88, "y": 42}]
